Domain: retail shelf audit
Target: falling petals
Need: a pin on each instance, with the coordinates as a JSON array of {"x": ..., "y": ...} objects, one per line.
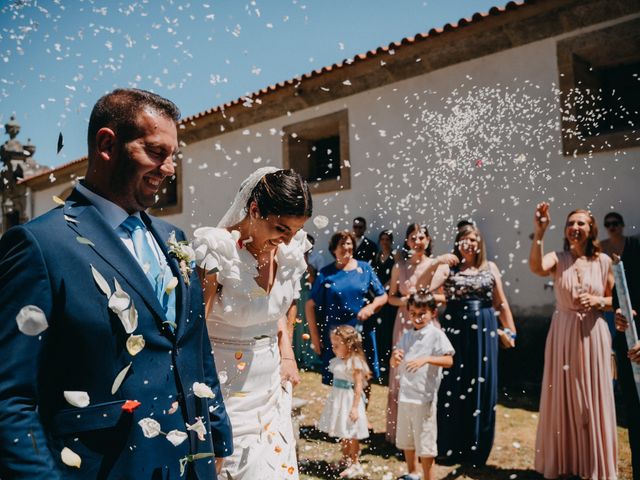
[
  {"x": 174, "y": 408},
  {"x": 176, "y": 437},
  {"x": 130, "y": 405},
  {"x": 198, "y": 427},
  {"x": 70, "y": 458},
  {"x": 119, "y": 379},
  {"x": 320, "y": 221},
  {"x": 120, "y": 300},
  {"x": 202, "y": 390},
  {"x": 85, "y": 241},
  {"x": 101, "y": 281},
  {"x": 77, "y": 398},
  {"x": 135, "y": 344},
  {"x": 31, "y": 320},
  {"x": 173, "y": 283},
  {"x": 150, "y": 427}
]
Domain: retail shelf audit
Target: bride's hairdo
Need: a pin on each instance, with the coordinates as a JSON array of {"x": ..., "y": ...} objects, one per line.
[{"x": 284, "y": 193}]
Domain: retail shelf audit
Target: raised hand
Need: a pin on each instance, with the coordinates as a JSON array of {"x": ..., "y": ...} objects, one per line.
[{"x": 541, "y": 219}]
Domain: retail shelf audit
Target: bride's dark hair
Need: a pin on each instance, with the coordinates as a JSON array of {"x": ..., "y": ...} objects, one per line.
[{"x": 283, "y": 193}]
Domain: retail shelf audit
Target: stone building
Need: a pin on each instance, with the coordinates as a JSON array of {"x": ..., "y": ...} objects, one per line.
[
  {"x": 482, "y": 119},
  {"x": 17, "y": 163}
]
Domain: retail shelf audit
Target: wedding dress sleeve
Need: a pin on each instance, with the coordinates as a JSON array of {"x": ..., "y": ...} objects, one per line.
[{"x": 216, "y": 252}]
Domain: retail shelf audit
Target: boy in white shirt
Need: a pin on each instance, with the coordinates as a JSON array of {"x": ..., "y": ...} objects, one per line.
[{"x": 422, "y": 353}]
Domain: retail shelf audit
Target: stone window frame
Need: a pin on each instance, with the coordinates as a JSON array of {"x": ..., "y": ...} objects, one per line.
[
  {"x": 315, "y": 129},
  {"x": 620, "y": 42}
]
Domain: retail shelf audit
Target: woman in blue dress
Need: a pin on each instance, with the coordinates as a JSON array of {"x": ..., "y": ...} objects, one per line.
[
  {"x": 346, "y": 292},
  {"x": 469, "y": 390}
]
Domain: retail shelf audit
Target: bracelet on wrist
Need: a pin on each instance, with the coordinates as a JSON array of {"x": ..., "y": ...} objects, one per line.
[
  {"x": 510, "y": 333},
  {"x": 288, "y": 358}
]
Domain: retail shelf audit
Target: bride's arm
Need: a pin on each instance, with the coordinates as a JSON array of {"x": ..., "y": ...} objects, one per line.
[
  {"x": 209, "y": 289},
  {"x": 288, "y": 365}
]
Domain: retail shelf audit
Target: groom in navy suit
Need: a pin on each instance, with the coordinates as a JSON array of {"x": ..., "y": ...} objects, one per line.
[{"x": 107, "y": 370}]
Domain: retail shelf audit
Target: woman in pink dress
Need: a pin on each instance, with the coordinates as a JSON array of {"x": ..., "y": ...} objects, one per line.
[
  {"x": 577, "y": 427},
  {"x": 414, "y": 270}
]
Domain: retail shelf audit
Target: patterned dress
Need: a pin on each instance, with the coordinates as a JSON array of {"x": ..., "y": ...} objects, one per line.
[
  {"x": 469, "y": 390},
  {"x": 577, "y": 427}
]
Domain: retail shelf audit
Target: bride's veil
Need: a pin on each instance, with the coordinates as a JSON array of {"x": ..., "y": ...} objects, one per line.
[{"x": 238, "y": 208}]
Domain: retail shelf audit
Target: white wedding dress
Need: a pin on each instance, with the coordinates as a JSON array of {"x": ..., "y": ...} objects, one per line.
[{"x": 243, "y": 327}]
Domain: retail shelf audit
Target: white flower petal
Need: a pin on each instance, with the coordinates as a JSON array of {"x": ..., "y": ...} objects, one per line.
[
  {"x": 202, "y": 390},
  {"x": 77, "y": 398},
  {"x": 102, "y": 283},
  {"x": 320, "y": 221},
  {"x": 119, "y": 379},
  {"x": 135, "y": 344},
  {"x": 198, "y": 427},
  {"x": 173, "y": 283},
  {"x": 150, "y": 427},
  {"x": 70, "y": 458},
  {"x": 31, "y": 320},
  {"x": 176, "y": 437},
  {"x": 119, "y": 300}
]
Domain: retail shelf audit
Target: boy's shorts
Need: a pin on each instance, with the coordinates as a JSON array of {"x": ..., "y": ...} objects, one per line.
[{"x": 417, "y": 428}]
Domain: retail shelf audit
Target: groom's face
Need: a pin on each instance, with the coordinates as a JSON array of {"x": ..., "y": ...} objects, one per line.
[{"x": 144, "y": 162}]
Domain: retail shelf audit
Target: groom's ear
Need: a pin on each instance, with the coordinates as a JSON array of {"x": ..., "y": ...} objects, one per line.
[{"x": 106, "y": 143}]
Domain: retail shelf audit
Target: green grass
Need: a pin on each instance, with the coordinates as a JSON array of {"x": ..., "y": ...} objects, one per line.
[{"x": 511, "y": 458}]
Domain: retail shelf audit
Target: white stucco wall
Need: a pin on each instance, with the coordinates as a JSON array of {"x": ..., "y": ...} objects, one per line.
[
  {"x": 388, "y": 165},
  {"x": 415, "y": 157}
]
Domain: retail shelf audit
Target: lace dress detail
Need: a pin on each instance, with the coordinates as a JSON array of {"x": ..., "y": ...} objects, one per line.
[{"x": 459, "y": 286}]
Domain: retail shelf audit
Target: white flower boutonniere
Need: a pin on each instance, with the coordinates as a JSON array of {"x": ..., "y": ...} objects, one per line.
[{"x": 184, "y": 254}]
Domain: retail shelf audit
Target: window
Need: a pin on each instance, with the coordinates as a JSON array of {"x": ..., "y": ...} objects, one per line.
[
  {"x": 318, "y": 149},
  {"x": 600, "y": 89},
  {"x": 170, "y": 193}
]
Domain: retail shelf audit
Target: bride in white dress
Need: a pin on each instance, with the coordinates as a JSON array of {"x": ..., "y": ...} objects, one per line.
[{"x": 251, "y": 266}]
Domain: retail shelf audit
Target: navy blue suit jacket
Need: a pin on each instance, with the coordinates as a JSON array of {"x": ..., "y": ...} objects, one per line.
[{"x": 42, "y": 263}]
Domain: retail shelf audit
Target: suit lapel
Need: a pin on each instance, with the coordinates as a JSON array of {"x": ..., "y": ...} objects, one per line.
[
  {"x": 89, "y": 224},
  {"x": 161, "y": 235}
]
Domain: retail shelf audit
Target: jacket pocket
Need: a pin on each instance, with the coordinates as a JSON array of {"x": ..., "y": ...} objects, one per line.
[{"x": 92, "y": 417}]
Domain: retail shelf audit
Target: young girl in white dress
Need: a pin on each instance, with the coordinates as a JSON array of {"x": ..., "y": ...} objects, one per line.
[{"x": 344, "y": 414}]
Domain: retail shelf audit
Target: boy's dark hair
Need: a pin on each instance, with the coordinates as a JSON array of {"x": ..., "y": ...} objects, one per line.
[{"x": 422, "y": 299}]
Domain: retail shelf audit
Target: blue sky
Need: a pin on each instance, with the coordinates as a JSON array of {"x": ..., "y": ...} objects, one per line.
[{"x": 59, "y": 56}]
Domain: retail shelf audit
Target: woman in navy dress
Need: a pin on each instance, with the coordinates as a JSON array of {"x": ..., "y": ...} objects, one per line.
[
  {"x": 346, "y": 292},
  {"x": 469, "y": 390}
]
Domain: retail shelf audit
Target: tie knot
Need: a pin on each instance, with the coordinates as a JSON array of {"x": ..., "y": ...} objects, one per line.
[{"x": 132, "y": 223}]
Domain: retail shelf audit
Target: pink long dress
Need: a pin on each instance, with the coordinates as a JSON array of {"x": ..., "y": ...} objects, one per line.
[
  {"x": 410, "y": 279},
  {"x": 577, "y": 428}
]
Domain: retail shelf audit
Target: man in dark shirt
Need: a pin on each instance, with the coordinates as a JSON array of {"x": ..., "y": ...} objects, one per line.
[{"x": 366, "y": 249}]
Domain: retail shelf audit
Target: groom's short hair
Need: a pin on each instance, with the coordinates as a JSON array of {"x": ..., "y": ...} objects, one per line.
[{"x": 119, "y": 111}]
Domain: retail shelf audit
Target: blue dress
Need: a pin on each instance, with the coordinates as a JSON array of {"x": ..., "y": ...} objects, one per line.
[
  {"x": 469, "y": 390},
  {"x": 339, "y": 295}
]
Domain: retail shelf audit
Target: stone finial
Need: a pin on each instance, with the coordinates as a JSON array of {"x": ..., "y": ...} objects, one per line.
[{"x": 12, "y": 127}]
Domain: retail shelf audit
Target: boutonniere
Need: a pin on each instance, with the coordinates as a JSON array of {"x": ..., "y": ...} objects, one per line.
[{"x": 184, "y": 254}]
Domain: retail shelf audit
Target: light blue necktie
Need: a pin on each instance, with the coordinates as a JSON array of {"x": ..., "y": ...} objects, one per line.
[{"x": 158, "y": 276}]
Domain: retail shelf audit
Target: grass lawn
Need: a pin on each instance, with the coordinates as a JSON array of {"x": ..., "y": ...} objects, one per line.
[{"x": 511, "y": 457}]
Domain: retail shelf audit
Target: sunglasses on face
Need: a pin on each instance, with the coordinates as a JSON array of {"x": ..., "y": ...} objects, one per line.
[{"x": 611, "y": 224}]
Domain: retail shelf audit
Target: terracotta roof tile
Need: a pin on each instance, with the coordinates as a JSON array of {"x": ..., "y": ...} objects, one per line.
[{"x": 449, "y": 27}]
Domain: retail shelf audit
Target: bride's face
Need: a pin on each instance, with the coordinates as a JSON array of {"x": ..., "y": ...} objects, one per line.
[{"x": 268, "y": 233}]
